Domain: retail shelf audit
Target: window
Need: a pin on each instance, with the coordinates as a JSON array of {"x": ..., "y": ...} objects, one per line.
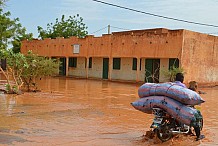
[
  {"x": 134, "y": 64},
  {"x": 85, "y": 62},
  {"x": 173, "y": 62},
  {"x": 116, "y": 63},
  {"x": 90, "y": 62},
  {"x": 76, "y": 48},
  {"x": 72, "y": 62}
]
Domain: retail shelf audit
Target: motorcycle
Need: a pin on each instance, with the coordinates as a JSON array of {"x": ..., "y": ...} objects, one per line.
[{"x": 165, "y": 126}]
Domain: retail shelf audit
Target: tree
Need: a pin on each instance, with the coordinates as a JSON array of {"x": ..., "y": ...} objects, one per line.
[
  {"x": 17, "y": 39},
  {"x": 16, "y": 62},
  {"x": 2, "y": 2},
  {"x": 38, "y": 67},
  {"x": 11, "y": 31},
  {"x": 171, "y": 74},
  {"x": 23, "y": 69},
  {"x": 73, "y": 26}
]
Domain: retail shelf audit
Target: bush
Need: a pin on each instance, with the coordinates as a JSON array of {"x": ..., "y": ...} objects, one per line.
[{"x": 171, "y": 74}]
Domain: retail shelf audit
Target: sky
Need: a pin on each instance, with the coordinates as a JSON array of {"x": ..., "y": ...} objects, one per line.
[{"x": 98, "y": 16}]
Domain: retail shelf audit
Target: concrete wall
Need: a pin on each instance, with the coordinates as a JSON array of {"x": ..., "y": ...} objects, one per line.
[
  {"x": 164, "y": 65},
  {"x": 142, "y": 71},
  {"x": 125, "y": 72},
  {"x": 99, "y": 46},
  {"x": 80, "y": 70},
  {"x": 157, "y": 43},
  {"x": 200, "y": 57},
  {"x": 97, "y": 68},
  {"x": 198, "y": 53}
]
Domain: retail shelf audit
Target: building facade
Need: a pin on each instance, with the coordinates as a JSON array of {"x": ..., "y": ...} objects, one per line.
[{"x": 136, "y": 56}]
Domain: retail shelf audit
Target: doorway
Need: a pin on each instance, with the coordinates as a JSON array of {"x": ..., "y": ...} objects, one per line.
[
  {"x": 62, "y": 67},
  {"x": 105, "y": 68},
  {"x": 152, "y": 70}
]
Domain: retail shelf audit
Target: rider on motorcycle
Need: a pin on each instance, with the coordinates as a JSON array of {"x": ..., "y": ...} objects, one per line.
[{"x": 179, "y": 81}]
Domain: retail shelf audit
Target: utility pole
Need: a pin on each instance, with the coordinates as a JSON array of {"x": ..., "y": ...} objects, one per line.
[{"x": 109, "y": 27}]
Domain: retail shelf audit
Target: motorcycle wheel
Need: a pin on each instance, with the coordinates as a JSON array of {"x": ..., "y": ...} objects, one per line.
[{"x": 164, "y": 134}]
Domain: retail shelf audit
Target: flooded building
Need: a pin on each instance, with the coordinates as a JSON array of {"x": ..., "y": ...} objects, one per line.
[{"x": 136, "y": 56}]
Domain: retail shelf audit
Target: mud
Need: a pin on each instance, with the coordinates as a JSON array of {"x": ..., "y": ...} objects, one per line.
[{"x": 89, "y": 112}]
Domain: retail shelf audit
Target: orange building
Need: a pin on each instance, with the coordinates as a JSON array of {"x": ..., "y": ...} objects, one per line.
[{"x": 137, "y": 55}]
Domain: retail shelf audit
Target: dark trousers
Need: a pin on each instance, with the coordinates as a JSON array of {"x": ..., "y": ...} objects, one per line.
[{"x": 197, "y": 131}]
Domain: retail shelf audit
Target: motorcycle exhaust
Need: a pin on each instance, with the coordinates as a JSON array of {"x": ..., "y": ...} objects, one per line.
[{"x": 181, "y": 132}]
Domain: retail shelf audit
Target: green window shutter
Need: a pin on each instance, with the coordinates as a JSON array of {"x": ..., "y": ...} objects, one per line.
[
  {"x": 149, "y": 70},
  {"x": 72, "y": 62},
  {"x": 90, "y": 62},
  {"x": 134, "y": 64},
  {"x": 116, "y": 63}
]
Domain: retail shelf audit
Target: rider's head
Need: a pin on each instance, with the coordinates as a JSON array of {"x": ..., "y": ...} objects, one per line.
[
  {"x": 179, "y": 77},
  {"x": 193, "y": 85}
]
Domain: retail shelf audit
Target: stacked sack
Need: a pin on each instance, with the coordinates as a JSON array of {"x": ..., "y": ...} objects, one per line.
[{"x": 174, "y": 99}]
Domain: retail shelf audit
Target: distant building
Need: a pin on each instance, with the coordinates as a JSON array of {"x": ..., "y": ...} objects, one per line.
[{"x": 137, "y": 55}]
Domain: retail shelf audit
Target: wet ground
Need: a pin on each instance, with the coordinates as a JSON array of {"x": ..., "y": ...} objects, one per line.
[{"x": 89, "y": 113}]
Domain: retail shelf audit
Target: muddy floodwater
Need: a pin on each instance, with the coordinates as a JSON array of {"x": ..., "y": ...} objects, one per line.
[{"x": 81, "y": 112}]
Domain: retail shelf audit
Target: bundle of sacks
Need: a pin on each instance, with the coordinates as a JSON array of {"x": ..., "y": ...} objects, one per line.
[{"x": 174, "y": 99}]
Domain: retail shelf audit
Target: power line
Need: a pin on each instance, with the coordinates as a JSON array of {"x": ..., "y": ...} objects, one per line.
[
  {"x": 111, "y": 27},
  {"x": 160, "y": 16},
  {"x": 131, "y": 29},
  {"x": 120, "y": 28},
  {"x": 99, "y": 30}
]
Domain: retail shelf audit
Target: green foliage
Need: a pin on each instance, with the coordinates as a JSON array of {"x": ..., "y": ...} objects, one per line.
[
  {"x": 8, "y": 87},
  {"x": 16, "y": 61},
  {"x": 17, "y": 39},
  {"x": 171, "y": 74},
  {"x": 37, "y": 67},
  {"x": 26, "y": 68},
  {"x": 11, "y": 31},
  {"x": 12, "y": 89},
  {"x": 15, "y": 89},
  {"x": 2, "y": 2},
  {"x": 3, "y": 53},
  {"x": 73, "y": 26}
]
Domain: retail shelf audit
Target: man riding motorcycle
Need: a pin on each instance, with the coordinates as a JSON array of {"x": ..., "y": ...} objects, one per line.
[{"x": 179, "y": 81}]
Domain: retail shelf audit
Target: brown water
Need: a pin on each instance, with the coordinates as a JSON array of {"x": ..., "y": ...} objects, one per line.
[{"x": 89, "y": 113}]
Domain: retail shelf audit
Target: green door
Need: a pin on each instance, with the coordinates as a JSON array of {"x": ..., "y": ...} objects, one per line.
[
  {"x": 152, "y": 69},
  {"x": 105, "y": 68},
  {"x": 173, "y": 62},
  {"x": 62, "y": 67}
]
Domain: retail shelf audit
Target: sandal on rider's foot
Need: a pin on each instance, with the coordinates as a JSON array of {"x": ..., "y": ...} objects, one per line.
[{"x": 200, "y": 137}]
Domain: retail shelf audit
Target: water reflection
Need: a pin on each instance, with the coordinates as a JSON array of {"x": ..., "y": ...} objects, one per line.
[{"x": 89, "y": 112}]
